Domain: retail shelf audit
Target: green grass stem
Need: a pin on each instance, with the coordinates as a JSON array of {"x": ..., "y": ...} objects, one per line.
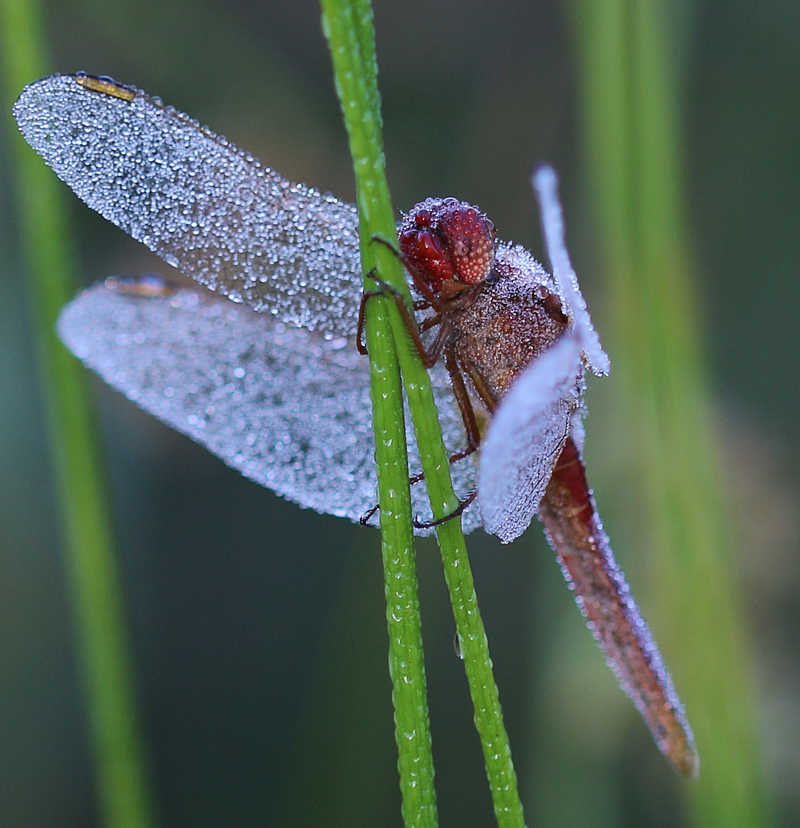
[
  {"x": 349, "y": 32},
  {"x": 632, "y": 142},
  {"x": 90, "y": 555},
  {"x": 348, "y": 26}
]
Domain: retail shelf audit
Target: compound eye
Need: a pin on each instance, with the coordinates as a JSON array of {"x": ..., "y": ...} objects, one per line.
[
  {"x": 430, "y": 245},
  {"x": 470, "y": 236},
  {"x": 428, "y": 254}
]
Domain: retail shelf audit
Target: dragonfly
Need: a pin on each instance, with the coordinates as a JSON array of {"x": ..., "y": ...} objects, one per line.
[{"x": 271, "y": 381}]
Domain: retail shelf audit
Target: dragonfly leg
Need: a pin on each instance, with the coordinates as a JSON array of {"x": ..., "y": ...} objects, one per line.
[
  {"x": 367, "y": 516},
  {"x": 419, "y": 282},
  {"x": 473, "y": 436},
  {"x": 453, "y": 458},
  {"x": 361, "y": 345},
  {"x": 463, "y": 399},
  {"x": 418, "y": 478},
  {"x": 429, "y": 524},
  {"x": 429, "y": 321},
  {"x": 429, "y": 356}
]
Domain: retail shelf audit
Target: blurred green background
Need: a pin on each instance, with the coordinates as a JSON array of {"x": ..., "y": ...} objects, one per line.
[{"x": 258, "y": 628}]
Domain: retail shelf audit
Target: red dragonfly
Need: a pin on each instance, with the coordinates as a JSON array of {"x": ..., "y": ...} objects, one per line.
[{"x": 269, "y": 382}]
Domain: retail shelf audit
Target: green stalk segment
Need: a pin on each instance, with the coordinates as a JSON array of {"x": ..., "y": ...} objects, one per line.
[
  {"x": 348, "y": 27},
  {"x": 349, "y": 32},
  {"x": 92, "y": 569}
]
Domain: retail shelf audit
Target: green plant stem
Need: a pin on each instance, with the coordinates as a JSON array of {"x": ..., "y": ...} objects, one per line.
[
  {"x": 349, "y": 31},
  {"x": 91, "y": 564},
  {"x": 632, "y": 140}
]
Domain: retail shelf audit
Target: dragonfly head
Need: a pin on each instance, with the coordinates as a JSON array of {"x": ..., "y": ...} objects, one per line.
[{"x": 448, "y": 240}]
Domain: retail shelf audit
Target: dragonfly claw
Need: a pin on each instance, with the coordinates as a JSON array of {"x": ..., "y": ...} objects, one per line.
[{"x": 457, "y": 512}]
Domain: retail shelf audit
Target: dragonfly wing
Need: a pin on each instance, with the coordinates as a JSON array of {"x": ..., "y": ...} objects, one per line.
[
  {"x": 545, "y": 183},
  {"x": 284, "y": 406},
  {"x": 525, "y": 437},
  {"x": 202, "y": 205}
]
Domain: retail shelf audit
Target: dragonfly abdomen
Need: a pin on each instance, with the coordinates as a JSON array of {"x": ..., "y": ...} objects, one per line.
[{"x": 570, "y": 472}]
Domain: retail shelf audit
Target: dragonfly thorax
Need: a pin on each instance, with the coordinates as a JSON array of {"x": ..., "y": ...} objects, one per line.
[{"x": 513, "y": 317}]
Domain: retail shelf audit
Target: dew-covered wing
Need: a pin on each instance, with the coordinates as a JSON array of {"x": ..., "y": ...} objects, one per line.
[
  {"x": 205, "y": 207},
  {"x": 545, "y": 182},
  {"x": 525, "y": 438},
  {"x": 282, "y": 405}
]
